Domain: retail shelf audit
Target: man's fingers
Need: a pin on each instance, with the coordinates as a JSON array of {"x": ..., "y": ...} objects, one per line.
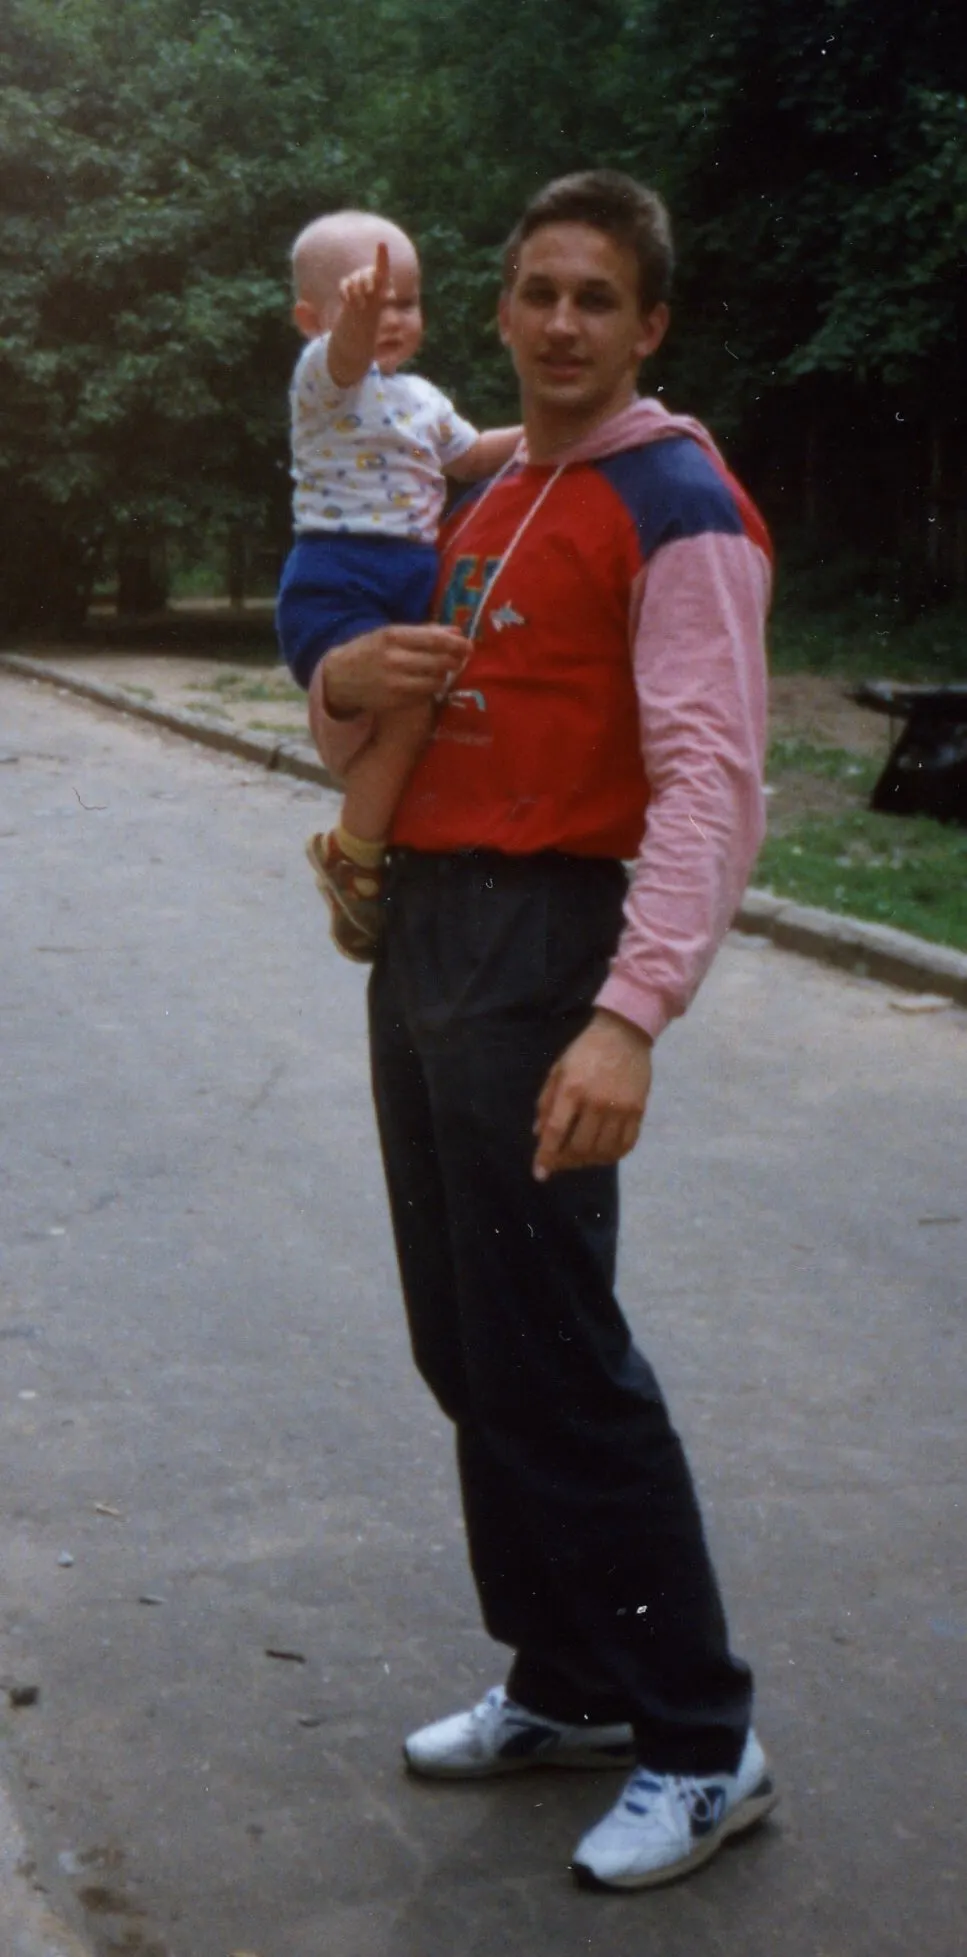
[
  {"x": 577, "y": 1134},
  {"x": 555, "y": 1121},
  {"x": 413, "y": 686},
  {"x": 544, "y": 1100},
  {"x": 616, "y": 1138},
  {"x": 584, "y": 1138},
  {"x": 603, "y": 1142},
  {"x": 592, "y": 1105},
  {"x": 431, "y": 638},
  {"x": 426, "y": 669},
  {"x": 429, "y": 668},
  {"x": 378, "y": 669}
]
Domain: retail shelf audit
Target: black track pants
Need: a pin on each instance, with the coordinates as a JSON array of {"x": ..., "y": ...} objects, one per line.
[{"x": 585, "y": 1536}]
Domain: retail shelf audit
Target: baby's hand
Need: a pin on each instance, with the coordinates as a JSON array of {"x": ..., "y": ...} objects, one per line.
[
  {"x": 352, "y": 342},
  {"x": 366, "y": 289}
]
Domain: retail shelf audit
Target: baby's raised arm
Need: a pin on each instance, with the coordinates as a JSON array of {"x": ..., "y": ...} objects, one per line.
[{"x": 352, "y": 342}]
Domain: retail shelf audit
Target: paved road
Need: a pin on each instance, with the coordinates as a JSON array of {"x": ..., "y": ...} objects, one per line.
[{"x": 199, "y": 1329}]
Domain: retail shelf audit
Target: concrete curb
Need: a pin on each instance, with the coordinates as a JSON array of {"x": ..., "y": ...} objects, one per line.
[
  {"x": 287, "y": 757},
  {"x": 868, "y": 950},
  {"x": 28, "y": 1926}
]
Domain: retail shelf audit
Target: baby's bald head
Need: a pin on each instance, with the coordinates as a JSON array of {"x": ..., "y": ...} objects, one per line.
[{"x": 332, "y": 247}]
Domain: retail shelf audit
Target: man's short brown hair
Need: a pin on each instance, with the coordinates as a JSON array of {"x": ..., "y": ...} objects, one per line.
[{"x": 611, "y": 202}]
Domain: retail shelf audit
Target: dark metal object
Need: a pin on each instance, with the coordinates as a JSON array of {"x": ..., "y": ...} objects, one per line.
[{"x": 926, "y": 771}]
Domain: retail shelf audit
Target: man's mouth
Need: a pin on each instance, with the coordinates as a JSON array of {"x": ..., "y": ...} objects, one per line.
[{"x": 562, "y": 366}]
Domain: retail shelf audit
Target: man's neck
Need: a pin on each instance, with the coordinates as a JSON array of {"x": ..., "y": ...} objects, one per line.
[{"x": 549, "y": 433}]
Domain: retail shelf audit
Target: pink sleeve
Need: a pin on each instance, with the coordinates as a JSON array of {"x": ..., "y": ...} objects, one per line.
[
  {"x": 701, "y": 681},
  {"x": 338, "y": 741}
]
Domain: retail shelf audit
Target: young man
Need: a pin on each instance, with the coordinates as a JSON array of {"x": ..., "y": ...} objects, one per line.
[{"x": 615, "y": 582}]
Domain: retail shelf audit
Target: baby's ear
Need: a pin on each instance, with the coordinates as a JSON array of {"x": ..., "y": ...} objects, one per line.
[{"x": 306, "y": 319}]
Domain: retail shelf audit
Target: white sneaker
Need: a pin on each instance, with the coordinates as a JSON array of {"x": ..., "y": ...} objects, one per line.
[
  {"x": 499, "y": 1737},
  {"x": 665, "y": 1825}
]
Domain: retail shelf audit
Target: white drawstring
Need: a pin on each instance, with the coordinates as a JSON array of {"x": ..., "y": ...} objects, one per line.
[{"x": 503, "y": 561}]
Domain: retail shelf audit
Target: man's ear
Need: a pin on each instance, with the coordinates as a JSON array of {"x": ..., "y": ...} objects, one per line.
[
  {"x": 306, "y": 318},
  {"x": 503, "y": 318},
  {"x": 654, "y": 326}
]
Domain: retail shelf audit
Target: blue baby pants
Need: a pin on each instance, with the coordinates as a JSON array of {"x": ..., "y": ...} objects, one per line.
[{"x": 337, "y": 584}]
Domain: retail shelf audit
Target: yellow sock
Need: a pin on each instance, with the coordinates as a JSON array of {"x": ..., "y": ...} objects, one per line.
[{"x": 369, "y": 856}]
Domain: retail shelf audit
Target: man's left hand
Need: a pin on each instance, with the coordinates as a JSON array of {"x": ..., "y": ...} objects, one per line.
[{"x": 593, "y": 1101}]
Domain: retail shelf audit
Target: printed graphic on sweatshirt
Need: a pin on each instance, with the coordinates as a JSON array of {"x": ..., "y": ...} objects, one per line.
[{"x": 463, "y": 590}]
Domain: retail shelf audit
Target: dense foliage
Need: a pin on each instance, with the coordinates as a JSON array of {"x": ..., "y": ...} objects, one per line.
[{"x": 156, "y": 158}]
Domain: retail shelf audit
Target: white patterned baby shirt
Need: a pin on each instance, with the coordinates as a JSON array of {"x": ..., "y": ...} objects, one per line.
[{"x": 371, "y": 458}]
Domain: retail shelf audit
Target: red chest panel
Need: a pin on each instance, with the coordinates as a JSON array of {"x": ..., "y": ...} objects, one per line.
[{"x": 537, "y": 746}]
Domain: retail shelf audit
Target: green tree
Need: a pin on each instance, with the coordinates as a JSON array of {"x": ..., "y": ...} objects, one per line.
[
  {"x": 156, "y": 160},
  {"x": 819, "y": 170},
  {"x": 157, "y": 157}
]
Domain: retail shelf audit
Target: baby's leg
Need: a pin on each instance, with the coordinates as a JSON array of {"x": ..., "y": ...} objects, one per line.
[
  {"x": 377, "y": 777},
  {"x": 348, "y": 862}
]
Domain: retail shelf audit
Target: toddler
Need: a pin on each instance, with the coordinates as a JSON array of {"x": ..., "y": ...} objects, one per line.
[{"x": 371, "y": 449}]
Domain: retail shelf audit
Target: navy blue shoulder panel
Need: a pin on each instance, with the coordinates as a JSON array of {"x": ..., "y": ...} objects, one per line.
[{"x": 672, "y": 489}]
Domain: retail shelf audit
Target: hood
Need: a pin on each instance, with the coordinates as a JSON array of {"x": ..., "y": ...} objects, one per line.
[{"x": 644, "y": 421}]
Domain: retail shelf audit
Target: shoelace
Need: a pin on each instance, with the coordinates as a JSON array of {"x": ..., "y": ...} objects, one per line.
[
  {"x": 491, "y": 1703},
  {"x": 689, "y": 1793}
]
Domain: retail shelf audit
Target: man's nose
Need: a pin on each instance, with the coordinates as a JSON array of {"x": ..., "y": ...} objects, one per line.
[{"x": 563, "y": 318}]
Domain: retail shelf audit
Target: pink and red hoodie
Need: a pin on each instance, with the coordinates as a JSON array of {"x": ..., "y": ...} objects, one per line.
[{"x": 614, "y": 702}]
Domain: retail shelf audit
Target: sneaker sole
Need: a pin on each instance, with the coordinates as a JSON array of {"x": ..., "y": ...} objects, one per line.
[
  {"x": 493, "y": 1769},
  {"x": 745, "y": 1816}
]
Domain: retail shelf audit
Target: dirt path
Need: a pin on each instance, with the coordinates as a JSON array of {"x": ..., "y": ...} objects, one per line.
[{"x": 812, "y": 707}]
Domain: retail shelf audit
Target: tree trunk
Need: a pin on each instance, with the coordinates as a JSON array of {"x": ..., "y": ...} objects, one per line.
[
  {"x": 142, "y": 575},
  {"x": 237, "y": 566}
]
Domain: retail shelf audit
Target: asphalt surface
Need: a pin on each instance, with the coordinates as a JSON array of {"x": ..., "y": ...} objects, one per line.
[{"x": 207, "y": 1400}]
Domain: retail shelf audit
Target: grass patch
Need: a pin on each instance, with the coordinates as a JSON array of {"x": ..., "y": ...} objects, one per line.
[
  {"x": 286, "y": 730},
  {"x": 275, "y": 687},
  {"x": 826, "y": 846},
  {"x": 906, "y": 871},
  {"x": 794, "y": 755}
]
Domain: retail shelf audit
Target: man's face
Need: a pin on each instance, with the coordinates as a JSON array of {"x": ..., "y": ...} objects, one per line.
[{"x": 573, "y": 324}]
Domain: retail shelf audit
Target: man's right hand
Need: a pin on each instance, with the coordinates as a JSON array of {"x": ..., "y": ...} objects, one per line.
[{"x": 392, "y": 667}]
